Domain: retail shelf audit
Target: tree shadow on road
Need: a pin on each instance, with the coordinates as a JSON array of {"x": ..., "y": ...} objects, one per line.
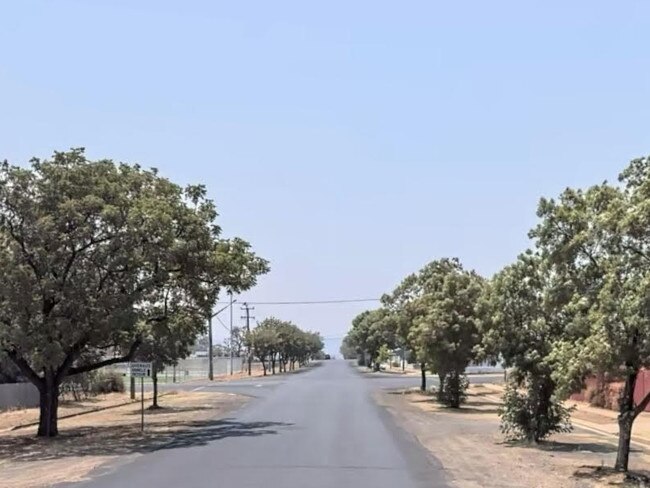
[
  {"x": 166, "y": 410},
  {"x": 468, "y": 410},
  {"x": 127, "y": 439}
]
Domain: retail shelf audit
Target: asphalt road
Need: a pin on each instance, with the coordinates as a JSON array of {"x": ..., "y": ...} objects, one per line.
[{"x": 315, "y": 429}]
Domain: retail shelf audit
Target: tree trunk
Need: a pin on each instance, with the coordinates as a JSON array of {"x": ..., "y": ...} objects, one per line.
[
  {"x": 625, "y": 422},
  {"x": 273, "y": 364},
  {"x": 454, "y": 390},
  {"x": 154, "y": 380},
  {"x": 264, "y": 366},
  {"x": 250, "y": 364},
  {"x": 626, "y": 417},
  {"x": 423, "y": 373},
  {"x": 545, "y": 392},
  {"x": 132, "y": 387},
  {"x": 49, "y": 405}
]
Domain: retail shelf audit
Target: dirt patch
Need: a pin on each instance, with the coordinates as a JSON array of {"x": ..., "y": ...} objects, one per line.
[
  {"x": 13, "y": 418},
  {"x": 85, "y": 442},
  {"x": 474, "y": 454}
]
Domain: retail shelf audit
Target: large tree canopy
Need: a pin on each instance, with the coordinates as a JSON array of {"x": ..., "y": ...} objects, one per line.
[
  {"x": 598, "y": 242},
  {"x": 446, "y": 329},
  {"x": 276, "y": 340},
  {"x": 519, "y": 327},
  {"x": 94, "y": 254}
]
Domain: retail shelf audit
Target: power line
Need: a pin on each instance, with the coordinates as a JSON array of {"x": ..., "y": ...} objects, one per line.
[{"x": 315, "y": 302}]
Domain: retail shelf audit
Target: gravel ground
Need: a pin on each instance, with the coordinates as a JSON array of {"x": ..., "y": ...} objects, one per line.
[
  {"x": 89, "y": 441},
  {"x": 474, "y": 455}
]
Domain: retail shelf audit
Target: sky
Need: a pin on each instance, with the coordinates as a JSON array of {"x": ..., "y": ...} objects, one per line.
[{"x": 349, "y": 142}]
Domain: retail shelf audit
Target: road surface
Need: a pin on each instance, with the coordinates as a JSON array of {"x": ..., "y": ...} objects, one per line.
[{"x": 315, "y": 429}]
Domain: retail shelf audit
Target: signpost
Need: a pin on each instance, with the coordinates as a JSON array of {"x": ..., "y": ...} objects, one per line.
[{"x": 140, "y": 370}]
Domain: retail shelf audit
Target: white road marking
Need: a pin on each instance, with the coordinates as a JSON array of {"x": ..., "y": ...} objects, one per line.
[{"x": 199, "y": 388}]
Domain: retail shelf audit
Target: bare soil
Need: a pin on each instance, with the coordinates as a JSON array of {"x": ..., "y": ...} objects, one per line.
[
  {"x": 475, "y": 454},
  {"x": 88, "y": 441}
]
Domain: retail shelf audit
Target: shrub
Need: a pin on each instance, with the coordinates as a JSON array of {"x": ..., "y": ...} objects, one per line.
[
  {"x": 108, "y": 382},
  {"x": 78, "y": 386},
  {"x": 528, "y": 415}
]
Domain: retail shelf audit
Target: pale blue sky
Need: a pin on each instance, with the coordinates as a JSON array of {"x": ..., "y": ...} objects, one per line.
[{"x": 349, "y": 141}]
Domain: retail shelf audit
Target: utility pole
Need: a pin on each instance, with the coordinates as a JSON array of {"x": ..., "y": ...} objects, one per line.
[
  {"x": 231, "y": 341},
  {"x": 247, "y": 308},
  {"x": 210, "y": 317},
  {"x": 210, "y": 360}
]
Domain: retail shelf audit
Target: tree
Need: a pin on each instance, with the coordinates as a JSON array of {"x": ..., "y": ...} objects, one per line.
[
  {"x": 518, "y": 327},
  {"x": 238, "y": 269},
  {"x": 347, "y": 349},
  {"x": 264, "y": 341},
  {"x": 598, "y": 242},
  {"x": 313, "y": 347},
  {"x": 383, "y": 354},
  {"x": 290, "y": 344},
  {"x": 168, "y": 340},
  {"x": 87, "y": 250},
  {"x": 402, "y": 314},
  {"x": 371, "y": 330},
  {"x": 274, "y": 339},
  {"x": 236, "y": 342},
  {"x": 446, "y": 331}
]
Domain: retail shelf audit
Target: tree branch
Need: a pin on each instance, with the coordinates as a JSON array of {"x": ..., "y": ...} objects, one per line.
[
  {"x": 24, "y": 367},
  {"x": 70, "y": 358},
  {"x": 642, "y": 405},
  {"x": 107, "y": 362}
]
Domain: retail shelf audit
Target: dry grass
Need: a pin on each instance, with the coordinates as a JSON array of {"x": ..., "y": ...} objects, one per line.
[
  {"x": 469, "y": 445},
  {"x": 88, "y": 441},
  {"x": 12, "y": 418}
]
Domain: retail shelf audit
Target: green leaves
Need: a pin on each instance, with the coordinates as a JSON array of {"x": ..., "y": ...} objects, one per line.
[
  {"x": 282, "y": 339},
  {"x": 99, "y": 256},
  {"x": 446, "y": 324}
]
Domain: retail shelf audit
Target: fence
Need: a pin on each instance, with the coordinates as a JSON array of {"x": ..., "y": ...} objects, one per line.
[
  {"x": 190, "y": 369},
  {"x": 608, "y": 393},
  {"x": 18, "y": 395}
]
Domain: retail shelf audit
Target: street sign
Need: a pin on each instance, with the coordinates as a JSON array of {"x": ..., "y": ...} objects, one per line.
[{"x": 140, "y": 370}]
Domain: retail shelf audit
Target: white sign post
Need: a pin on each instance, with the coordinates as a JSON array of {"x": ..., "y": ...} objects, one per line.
[{"x": 140, "y": 370}]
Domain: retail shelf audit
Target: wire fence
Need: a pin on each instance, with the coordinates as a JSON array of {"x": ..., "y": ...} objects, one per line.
[{"x": 190, "y": 369}]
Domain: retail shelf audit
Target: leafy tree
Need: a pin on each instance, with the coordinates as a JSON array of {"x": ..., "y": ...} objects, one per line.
[
  {"x": 291, "y": 343},
  {"x": 370, "y": 331},
  {"x": 264, "y": 341},
  {"x": 347, "y": 349},
  {"x": 313, "y": 347},
  {"x": 447, "y": 330},
  {"x": 166, "y": 341},
  {"x": 598, "y": 242},
  {"x": 236, "y": 342},
  {"x": 403, "y": 312},
  {"x": 518, "y": 326},
  {"x": 88, "y": 248},
  {"x": 384, "y": 354},
  {"x": 274, "y": 339},
  {"x": 238, "y": 269}
]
